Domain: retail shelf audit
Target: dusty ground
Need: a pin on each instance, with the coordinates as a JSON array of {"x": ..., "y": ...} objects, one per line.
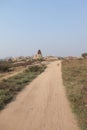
[{"x": 42, "y": 105}]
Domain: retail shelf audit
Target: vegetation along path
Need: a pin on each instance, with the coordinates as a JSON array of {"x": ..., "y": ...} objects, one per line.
[{"x": 42, "y": 105}]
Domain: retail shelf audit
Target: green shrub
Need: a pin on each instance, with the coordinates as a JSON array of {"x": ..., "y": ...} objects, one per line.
[
  {"x": 4, "y": 66},
  {"x": 10, "y": 87},
  {"x": 5, "y": 97}
]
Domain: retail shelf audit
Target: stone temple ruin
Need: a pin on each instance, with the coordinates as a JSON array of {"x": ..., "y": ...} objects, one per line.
[{"x": 38, "y": 55}]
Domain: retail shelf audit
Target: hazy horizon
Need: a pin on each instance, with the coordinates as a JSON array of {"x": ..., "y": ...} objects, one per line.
[{"x": 58, "y": 28}]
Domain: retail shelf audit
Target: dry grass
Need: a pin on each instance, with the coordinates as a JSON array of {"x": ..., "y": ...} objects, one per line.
[
  {"x": 9, "y": 88},
  {"x": 75, "y": 80}
]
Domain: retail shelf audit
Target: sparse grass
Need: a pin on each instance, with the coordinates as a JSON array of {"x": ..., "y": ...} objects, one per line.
[
  {"x": 1, "y": 75},
  {"x": 75, "y": 81},
  {"x": 10, "y": 87}
]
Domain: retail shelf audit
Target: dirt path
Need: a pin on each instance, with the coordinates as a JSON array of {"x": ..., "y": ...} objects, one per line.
[{"x": 42, "y": 105}]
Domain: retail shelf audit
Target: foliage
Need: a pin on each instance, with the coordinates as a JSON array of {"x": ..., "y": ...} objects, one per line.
[
  {"x": 4, "y": 66},
  {"x": 10, "y": 87},
  {"x": 84, "y": 55}
]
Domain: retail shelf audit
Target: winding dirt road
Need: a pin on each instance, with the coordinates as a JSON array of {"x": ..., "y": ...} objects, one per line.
[{"x": 42, "y": 105}]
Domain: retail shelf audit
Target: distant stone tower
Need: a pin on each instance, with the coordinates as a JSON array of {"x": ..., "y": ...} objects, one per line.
[
  {"x": 38, "y": 55},
  {"x": 39, "y": 52}
]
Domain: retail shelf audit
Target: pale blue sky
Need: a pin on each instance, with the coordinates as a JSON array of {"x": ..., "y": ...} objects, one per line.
[{"x": 57, "y": 27}]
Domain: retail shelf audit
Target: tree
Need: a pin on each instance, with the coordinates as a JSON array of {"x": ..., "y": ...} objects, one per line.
[
  {"x": 4, "y": 66},
  {"x": 84, "y": 55}
]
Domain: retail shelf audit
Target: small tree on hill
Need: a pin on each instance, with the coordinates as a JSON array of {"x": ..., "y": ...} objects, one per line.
[{"x": 84, "y": 55}]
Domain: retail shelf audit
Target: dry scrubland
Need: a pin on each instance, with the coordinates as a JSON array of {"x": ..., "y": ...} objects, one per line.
[
  {"x": 10, "y": 87},
  {"x": 75, "y": 80},
  {"x": 10, "y": 68},
  {"x": 41, "y": 106}
]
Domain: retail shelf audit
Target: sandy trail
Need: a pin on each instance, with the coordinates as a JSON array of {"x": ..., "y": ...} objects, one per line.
[{"x": 42, "y": 105}]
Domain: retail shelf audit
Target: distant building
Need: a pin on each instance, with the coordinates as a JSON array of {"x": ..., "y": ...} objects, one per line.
[{"x": 38, "y": 55}]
